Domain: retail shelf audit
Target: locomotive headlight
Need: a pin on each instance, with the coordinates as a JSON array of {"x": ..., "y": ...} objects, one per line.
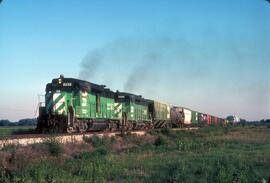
[{"x": 59, "y": 80}]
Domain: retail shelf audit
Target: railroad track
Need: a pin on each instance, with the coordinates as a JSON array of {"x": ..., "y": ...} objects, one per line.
[{"x": 28, "y": 139}]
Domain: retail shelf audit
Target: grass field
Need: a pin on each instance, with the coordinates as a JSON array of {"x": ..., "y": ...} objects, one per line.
[
  {"x": 9, "y": 130},
  {"x": 211, "y": 154}
]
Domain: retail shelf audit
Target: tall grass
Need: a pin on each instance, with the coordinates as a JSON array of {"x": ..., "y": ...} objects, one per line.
[{"x": 207, "y": 155}]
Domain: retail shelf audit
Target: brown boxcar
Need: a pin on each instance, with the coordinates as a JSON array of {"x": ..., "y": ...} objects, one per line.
[{"x": 202, "y": 119}]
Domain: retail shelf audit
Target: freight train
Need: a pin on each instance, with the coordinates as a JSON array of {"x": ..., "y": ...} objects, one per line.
[{"x": 73, "y": 105}]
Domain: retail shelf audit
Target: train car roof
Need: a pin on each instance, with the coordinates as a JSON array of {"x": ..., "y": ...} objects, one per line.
[
  {"x": 137, "y": 98},
  {"x": 81, "y": 84}
]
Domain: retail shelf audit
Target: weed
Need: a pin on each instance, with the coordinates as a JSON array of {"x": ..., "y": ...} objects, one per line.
[
  {"x": 128, "y": 133},
  {"x": 53, "y": 147},
  {"x": 83, "y": 155},
  {"x": 166, "y": 131},
  {"x": 101, "y": 151},
  {"x": 161, "y": 141},
  {"x": 86, "y": 155},
  {"x": 9, "y": 147},
  {"x": 153, "y": 132},
  {"x": 133, "y": 139},
  {"x": 97, "y": 141},
  {"x": 12, "y": 158}
]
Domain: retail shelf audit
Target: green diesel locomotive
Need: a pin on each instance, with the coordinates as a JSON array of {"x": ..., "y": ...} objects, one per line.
[{"x": 73, "y": 105}]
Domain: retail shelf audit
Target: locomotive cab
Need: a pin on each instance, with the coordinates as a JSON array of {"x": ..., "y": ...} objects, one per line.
[{"x": 59, "y": 112}]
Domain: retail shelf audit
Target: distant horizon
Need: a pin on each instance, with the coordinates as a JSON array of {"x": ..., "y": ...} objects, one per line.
[
  {"x": 208, "y": 56},
  {"x": 13, "y": 121}
]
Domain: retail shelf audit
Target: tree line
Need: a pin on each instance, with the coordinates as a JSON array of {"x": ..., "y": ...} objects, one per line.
[{"x": 21, "y": 122}]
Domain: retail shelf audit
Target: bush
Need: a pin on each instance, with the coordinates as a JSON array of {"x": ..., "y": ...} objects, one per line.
[
  {"x": 133, "y": 139},
  {"x": 195, "y": 145},
  {"x": 152, "y": 132},
  {"x": 24, "y": 131},
  {"x": 97, "y": 141},
  {"x": 83, "y": 155},
  {"x": 101, "y": 151},
  {"x": 227, "y": 129},
  {"x": 54, "y": 147},
  {"x": 166, "y": 131},
  {"x": 9, "y": 147},
  {"x": 160, "y": 141}
]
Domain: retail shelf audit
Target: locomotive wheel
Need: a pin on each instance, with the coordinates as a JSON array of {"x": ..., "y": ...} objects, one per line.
[
  {"x": 109, "y": 126},
  {"x": 150, "y": 126},
  {"x": 118, "y": 126},
  {"x": 115, "y": 126},
  {"x": 83, "y": 127},
  {"x": 167, "y": 125},
  {"x": 112, "y": 126},
  {"x": 134, "y": 125},
  {"x": 90, "y": 124},
  {"x": 124, "y": 123},
  {"x": 70, "y": 130},
  {"x": 129, "y": 126}
]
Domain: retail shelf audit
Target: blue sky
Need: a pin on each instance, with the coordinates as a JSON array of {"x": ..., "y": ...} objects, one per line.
[{"x": 211, "y": 56}]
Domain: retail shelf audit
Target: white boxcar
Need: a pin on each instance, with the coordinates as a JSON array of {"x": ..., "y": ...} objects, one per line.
[{"x": 187, "y": 114}]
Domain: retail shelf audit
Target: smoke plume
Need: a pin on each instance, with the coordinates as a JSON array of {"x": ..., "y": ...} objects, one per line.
[
  {"x": 90, "y": 64},
  {"x": 137, "y": 63},
  {"x": 182, "y": 72},
  {"x": 142, "y": 72}
]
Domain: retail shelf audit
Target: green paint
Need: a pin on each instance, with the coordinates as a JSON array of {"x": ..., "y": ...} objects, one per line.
[{"x": 194, "y": 117}]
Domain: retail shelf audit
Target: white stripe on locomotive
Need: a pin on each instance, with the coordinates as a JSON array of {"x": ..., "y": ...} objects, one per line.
[
  {"x": 59, "y": 103},
  {"x": 84, "y": 99},
  {"x": 118, "y": 110}
]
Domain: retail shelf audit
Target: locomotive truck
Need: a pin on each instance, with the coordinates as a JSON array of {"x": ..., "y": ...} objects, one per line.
[{"x": 74, "y": 105}]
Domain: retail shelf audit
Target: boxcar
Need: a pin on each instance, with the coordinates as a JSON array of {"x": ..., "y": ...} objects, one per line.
[
  {"x": 160, "y": 113},
  {"x": 177, "y": 116},
  {"x": 187, "y": 116},
  {"x": 202, "y": 119},
  {"x": 194, "y": 118}
]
